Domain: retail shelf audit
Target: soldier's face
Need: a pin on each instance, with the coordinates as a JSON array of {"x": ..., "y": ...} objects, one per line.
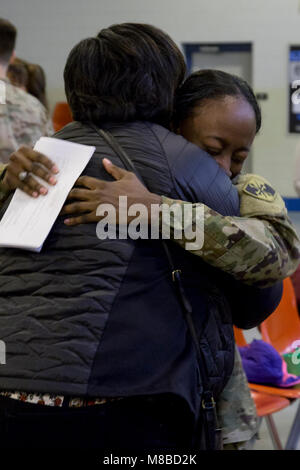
[{"x": 225, "y": 128}]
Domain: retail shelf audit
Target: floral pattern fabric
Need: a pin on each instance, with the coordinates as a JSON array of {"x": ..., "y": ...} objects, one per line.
[{"x": 56, "y": 400}]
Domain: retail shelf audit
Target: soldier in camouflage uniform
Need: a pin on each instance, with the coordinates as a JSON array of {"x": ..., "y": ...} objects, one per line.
[
  {"x": 257, "y": 248},
  {"x": 23, "y": 119}
]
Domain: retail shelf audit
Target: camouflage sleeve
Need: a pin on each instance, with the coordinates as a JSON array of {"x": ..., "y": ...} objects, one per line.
[
  {"x": 236, "y": 408},
  {"x": 8, "y": 142},
  {"x": 23, "y": 120},
  {"x": 258, "y": 248}
]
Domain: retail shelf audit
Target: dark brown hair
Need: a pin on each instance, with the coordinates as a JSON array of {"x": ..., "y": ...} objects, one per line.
[
  {"x": 18, "y": 74},
  {"x": 36, "y": 84},
  {"x": 128, "y": 72},
  {"x": 36, "y": 80},
  {"x": 8, "y": 35}
]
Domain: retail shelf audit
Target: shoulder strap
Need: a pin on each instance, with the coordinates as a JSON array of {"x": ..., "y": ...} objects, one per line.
[{"x": 208, "y": 403}]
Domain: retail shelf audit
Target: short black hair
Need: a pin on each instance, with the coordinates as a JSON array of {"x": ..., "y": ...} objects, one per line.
[
  {"x": 212, "y": 84},
  {"x": 8, "y": 35},
  {"x": 128, "y": 72}
]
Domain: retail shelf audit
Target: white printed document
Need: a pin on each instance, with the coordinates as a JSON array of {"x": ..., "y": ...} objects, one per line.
[{"x": 27, "y": 220}]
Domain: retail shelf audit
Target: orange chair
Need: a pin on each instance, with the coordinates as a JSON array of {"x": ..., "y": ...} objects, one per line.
[
  {"x": 61, "y": 116},
  {"x": 282, "y": 331},
  {"x": 265, "y": 403},
  {"x": 282, "y": 328}
]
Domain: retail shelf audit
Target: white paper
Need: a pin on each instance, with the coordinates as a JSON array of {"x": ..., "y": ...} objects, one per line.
[{"x": 28, "y": 221}]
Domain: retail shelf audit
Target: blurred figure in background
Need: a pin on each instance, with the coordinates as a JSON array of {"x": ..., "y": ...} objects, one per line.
[
  {"x": 36, "y": 80},
  {"x": 23, "y": 119},
  {"x": 31, "y": 78},
  {"x": 18, "y": 75}
]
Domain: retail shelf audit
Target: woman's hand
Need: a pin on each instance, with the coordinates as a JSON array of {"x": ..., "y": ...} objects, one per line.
[
  {"x": 25, "y": 160},
  {"x": 94, "y": 192}
]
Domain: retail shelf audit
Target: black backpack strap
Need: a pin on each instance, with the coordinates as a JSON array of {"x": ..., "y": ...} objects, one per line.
[{"x": 208, "y": 405}]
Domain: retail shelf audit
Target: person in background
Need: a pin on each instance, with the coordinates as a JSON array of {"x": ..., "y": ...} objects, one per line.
[
  {"x": 23, "y": 119},
  {"x": 36, "y": 80},
  {"x": 18, "y": 75},
  {"x": 34, "y": 83}
]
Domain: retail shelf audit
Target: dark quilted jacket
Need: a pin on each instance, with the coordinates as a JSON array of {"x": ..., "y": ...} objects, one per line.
[{"x": 100, "y": 317}]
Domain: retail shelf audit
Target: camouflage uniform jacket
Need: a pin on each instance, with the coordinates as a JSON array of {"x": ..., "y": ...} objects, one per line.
[
  {"x": 23, "y": 119},
  {"x": 258, "y": 248}
]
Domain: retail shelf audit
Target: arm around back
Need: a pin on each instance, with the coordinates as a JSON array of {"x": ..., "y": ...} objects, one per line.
[{"x": 250, "y": 305}]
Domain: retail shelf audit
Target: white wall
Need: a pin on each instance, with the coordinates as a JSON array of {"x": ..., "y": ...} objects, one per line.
[{"x": 49, "y": 28}]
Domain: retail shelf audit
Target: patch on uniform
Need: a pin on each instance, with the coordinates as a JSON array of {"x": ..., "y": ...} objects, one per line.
[{"x": 260, "y": 190}]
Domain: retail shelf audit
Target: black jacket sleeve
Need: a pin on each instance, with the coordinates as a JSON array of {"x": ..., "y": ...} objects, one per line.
[{"x": 250, "y": 305}]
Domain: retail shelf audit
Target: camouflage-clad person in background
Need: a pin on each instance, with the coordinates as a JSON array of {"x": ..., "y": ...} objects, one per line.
[
  {"x": 32, "y": 79},
  {"x": 23, "y": 119}
]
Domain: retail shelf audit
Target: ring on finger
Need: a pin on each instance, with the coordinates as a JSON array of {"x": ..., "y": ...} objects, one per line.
[{"x": 22, "y": 175}]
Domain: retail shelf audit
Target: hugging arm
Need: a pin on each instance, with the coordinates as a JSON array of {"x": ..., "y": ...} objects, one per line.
[
  {"x": 251, "y": 305},
  {"x": 259, "y": 248},
  {"x": 256, "y": 250}
]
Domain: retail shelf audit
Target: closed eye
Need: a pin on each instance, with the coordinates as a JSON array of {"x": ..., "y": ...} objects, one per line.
[
  {"x": 213, "y": 152},
  {"x": 239, "y": 160}
]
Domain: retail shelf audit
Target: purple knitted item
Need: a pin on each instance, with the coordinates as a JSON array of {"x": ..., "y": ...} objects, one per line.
[{"x": 264, "y": 365}]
